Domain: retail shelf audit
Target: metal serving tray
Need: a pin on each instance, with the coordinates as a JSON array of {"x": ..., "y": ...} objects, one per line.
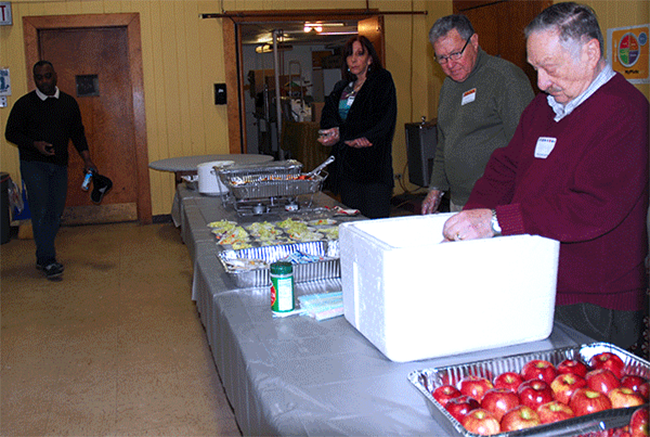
[
  {"x": 426, "y": 380},
  {"x": 329, "y": 268},
  {"x": 264, "y": 187},
  {"x": 290, "y": 166}
]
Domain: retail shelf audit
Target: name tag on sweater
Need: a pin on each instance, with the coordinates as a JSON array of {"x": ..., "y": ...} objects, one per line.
[
  {"x": 468, "y": 97},
  {"x": 544, "y": 147}
]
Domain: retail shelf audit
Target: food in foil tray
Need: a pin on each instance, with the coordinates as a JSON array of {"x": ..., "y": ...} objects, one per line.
[
  {"x": 292, "y": 225},
  {"x": 221, "y": 226},
  {"x": 331, "y": 233},
  {"x": 305, "y": 235},
  {"x": 236, "y": 180},
  {"x": 322, "y": 222},
  {"x": 558, "y": 387},
  {"x": 229, "y": 234},
  {"x": 272, "y": 234},
  {"x": 263, "y": 230}
]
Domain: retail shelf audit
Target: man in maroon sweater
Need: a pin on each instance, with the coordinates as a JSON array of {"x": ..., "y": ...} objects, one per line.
[{"x": 575, "y": 171}]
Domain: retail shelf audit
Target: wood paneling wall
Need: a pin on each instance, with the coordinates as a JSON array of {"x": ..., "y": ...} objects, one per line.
[{"x": 183, "y": 58}]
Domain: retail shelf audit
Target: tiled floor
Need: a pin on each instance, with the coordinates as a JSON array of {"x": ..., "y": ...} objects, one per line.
[{"x": 115, "y": 348}]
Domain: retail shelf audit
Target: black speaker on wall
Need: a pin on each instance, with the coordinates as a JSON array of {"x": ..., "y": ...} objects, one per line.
[{"x": 220, "y": 96}]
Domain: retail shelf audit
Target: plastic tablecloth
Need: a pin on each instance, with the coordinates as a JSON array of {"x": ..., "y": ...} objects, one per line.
[{"x": 298, "y": 376}]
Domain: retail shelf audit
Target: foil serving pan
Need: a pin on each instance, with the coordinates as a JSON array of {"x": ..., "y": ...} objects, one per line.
[
  {"x": 278, "y": 185},
  {"x": 427, "y": 380},
  {"x": 328, "y": 268},
  {"x": 290, "y": 166}
]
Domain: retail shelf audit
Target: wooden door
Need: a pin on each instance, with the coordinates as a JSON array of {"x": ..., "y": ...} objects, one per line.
[
  {"x": 500, "y": 27},
  {"x": 33, "y": 27},
  {"x": 91, "y": 66}
]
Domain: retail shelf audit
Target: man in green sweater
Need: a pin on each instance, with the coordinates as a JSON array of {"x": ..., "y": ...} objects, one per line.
[{"x": 480, "y": 103}]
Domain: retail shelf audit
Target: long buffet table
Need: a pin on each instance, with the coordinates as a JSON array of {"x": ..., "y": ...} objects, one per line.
[{"x": 298, "y": 376}]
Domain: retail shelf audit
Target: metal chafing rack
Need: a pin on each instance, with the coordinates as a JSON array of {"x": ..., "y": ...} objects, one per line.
[{"x": 255, "y": 190}]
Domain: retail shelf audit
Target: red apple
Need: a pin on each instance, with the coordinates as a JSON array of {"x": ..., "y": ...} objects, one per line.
[
  {"x": 460, "y": 406},
  {"x": 520, "y": 417},
  {"x": 576, "y": 367},
  {"x": 499, "y": 401},
  {"x": 621, "y": 432},
  {"x": 644, "y": 389},
  {"x": 639, "y": 423},
  {"x": 608, "y": 360},
  {"x": 444, "y": 393},
  {"x": 475, "y": 386},
  {"x": 586, "y": 401},
  {"x": 634, "y": 382},
  {"x": 602, "y": 380},
  {"x": 565, "y": 384},
  {"x": 481, "y": 422},
  {"x": 534, "y": 393},
  {"x": 508, "y": 380},
  {"x": 539, "y": 369},
  {"x": 623, "y": 397},
  {"x": 554, "y": 411}
]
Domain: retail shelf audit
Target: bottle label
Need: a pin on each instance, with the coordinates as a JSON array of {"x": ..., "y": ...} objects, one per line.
[
  {"x": 281, "y": 294},
  {"x": 86, "y": 183}
]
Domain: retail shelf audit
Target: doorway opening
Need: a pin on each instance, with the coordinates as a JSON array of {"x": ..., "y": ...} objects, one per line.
[
  {"x": 253, "y": 56},
  {"x": 309, "y": 63}
]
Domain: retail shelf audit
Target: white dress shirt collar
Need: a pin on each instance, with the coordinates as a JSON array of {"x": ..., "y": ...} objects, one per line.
[
  {"x": 44, "y": 97},
  {"x": 562, "y": 111}
]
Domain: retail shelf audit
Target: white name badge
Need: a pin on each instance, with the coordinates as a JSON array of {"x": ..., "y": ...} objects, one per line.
[
  {"x": 350, "y": 100},
  {"x": 468, "y": 96},
  {"x": 544, "y": 147}
]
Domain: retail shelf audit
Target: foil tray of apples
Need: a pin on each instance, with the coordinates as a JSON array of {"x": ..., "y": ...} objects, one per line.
[{"x": 463, "y": 393}]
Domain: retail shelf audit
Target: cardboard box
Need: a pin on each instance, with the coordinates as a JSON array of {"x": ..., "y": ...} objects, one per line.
[{"x": 415, "y": 298}]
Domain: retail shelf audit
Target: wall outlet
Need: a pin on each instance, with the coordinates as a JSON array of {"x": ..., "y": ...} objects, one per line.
[{"x": 398, "y": 176}]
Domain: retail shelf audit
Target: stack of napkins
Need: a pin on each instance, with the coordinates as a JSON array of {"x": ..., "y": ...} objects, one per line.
[{"x": 322, "y": 306}]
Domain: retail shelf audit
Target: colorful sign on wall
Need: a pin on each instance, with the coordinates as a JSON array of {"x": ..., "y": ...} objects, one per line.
[{"x": 628, "y": 51}]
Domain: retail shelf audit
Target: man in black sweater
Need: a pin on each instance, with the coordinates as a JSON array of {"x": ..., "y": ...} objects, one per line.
[{"x": 41, "y": 124}]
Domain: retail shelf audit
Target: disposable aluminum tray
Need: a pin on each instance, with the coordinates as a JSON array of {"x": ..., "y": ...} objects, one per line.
[
  {"x": 329, "y": 268},
  {"x": 427, "y": 380},
  {"x": 252, "y": 187},
  {"x": 290, "y": 166}
]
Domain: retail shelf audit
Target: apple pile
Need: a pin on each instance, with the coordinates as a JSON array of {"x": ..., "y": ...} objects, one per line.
[{"x": 543, "y": 393}]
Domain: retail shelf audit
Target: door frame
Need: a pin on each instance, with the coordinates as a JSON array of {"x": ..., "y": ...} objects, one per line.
[
  {"x": 31, "y": 27},
  {"x": 233, "y": 57}
]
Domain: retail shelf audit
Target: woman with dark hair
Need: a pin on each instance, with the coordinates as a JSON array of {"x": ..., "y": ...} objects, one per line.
[{"x": 358, "y": 121}]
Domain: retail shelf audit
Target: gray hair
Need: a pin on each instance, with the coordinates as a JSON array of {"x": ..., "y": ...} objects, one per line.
[
  {"x": 575, "y": 23},
  {"x": 444, "y": 25}
]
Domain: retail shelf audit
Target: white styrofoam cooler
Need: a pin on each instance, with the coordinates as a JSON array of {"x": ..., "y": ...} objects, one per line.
[{"x": 415, "y": 298}]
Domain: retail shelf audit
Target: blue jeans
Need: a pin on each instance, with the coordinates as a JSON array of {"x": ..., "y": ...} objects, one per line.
[{"x": 47, "y": 186}]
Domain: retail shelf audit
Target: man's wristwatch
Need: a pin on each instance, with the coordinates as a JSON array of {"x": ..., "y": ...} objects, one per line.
[{"x": 495, "y": 224}]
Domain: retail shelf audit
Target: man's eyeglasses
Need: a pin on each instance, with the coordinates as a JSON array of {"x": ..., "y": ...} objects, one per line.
[{"x": 453, "y": 56}]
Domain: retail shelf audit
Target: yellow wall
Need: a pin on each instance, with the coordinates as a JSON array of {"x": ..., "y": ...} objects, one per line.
[{"x": 183, "y": 57}]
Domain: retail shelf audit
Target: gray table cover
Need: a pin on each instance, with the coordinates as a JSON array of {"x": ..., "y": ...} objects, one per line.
[{"x": 298, "y": 376}]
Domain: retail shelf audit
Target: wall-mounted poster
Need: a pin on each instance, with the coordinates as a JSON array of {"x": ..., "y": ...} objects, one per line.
[
  {"x": 627, "y": 50},
  {"x": 5, "y": 82}
]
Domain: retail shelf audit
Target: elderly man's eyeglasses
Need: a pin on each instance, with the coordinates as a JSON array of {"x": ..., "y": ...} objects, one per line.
[{"x": 453, "y": 56}]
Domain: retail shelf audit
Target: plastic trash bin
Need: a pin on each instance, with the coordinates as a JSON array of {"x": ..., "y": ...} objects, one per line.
[{"x": 4, "y": 208}]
